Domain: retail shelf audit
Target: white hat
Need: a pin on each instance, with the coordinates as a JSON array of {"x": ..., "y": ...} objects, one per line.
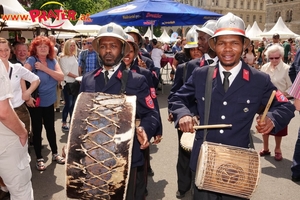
[
  {"x": 112, "y": 30},
  {"x": 209, "y": 27},
  {"x": 191, "y": 39},
  {"x": 229, "y": 24}
]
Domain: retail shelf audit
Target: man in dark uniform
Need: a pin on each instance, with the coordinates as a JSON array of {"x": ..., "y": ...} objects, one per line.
[
  {"x": 237, "y": 103},
  {"x": 182, "y": 74},
  {"x": 138, "y": 39},
  {"x": 114, "y": 78}
]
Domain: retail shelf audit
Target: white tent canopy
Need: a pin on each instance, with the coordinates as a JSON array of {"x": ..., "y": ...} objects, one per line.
[
  {"x": 89, "y": 29},
  {"x": 165, "y": 38},
  {"x": 281, "y": 29},
  {"x": 254, "y": 32},
  {"x": 149, "y": 34},
  {"x": 12, "y": 7},
  {"x": 248, "y": 28}
]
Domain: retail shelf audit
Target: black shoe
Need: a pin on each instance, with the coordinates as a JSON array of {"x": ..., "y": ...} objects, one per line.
[
  {"x": 296, "y": 178},
  {"x": 179, "y": 195},
  {"x": 146, "y": 192},
  {"x": 150, "y": 172},
  {"x": 57, "y": 110}
]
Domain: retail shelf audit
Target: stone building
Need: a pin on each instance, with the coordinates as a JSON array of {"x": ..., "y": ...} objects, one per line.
[
  {"x": 249, "y": 10},
  {"x": 287, "y": 9}
]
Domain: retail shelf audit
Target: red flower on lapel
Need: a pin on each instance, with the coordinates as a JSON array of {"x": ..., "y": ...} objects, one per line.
[
  {"x": 98, "y": 73},
  {"x": 133, "y": 70},
  {"x": 119, "y": 75},
  {"x": 246, "y": 74}
]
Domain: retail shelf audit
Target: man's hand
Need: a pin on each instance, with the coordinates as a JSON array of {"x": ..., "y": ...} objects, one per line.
[
  {"x": 142, "y": 137},
  {"x": 186, "y": 124},
  {"x": 157, "y": 139},
  {"x": 31, "y": 102},
  {"x": 264, "y": 127}
]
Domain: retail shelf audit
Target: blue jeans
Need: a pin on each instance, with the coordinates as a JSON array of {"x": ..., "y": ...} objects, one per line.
[
  {"x": 296, "y": 158},
  {"x": 69, "y": 105}
]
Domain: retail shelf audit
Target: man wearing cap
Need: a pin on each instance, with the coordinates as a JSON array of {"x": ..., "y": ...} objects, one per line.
[
  {"x": 236, "y": 102},
  {"x": 142, "y": 59},
  {"x": 183, "y": 73},
  {"x": 209, "y": 56},
  {"x": 111, "y": 78},
  {"x": 184, "y": 174}
]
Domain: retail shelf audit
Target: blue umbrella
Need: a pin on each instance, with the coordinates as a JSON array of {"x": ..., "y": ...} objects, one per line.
[{"x": 153, "y": 12}]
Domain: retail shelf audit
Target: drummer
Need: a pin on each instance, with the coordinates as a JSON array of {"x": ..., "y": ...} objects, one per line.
[
  {"x": 245, "y": 91},
  {"x": 113, "y": 78}
]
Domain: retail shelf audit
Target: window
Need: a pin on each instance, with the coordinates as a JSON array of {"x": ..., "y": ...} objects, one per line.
[
  {"x": 254, "y": 18},
  {"x": 248, "y": 5},
  {"x": 291, "y": 16},
  {"x": 227, "y": 3},
  {"x": 247, "y": 18},
  {"x": 234, "y": 3},
  {"x": 261, "y": 6},
  {"x": 241, "y": 16},
  {"x": 254, "y": 5},
  {"x": 242, "y": 4},
  {"x": 217, "y": 2},
  {"x": 260, "y": 19}
]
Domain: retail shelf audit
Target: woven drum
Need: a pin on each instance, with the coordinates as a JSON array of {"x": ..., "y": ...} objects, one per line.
[{"x": 228, "y": 169}]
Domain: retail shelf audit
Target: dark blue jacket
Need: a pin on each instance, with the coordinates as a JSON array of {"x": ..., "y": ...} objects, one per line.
[
  {"x": 182, "y": 74},
  {"x": 250, "y": 90},
  {"x": 136, "y": 85},
  {"x": 149, "y": 77},
  {"x": 295, "y": 66}
]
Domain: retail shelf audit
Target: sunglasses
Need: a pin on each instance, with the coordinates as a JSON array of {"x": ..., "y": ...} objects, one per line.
[
  {"x": 274, "y": 58},
  {"x": 88, "y": 42}
]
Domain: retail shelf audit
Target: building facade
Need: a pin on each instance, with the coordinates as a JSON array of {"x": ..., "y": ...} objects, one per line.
[
  {"x": 249, "y": 10},
  {"x": 287, "y": 9}
]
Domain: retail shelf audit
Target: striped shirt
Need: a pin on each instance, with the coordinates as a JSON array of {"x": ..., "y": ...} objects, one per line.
[{"x": 295, "y": 89}]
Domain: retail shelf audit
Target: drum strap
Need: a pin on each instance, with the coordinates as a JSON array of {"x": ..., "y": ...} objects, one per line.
[{"x": 208, "y": 90}]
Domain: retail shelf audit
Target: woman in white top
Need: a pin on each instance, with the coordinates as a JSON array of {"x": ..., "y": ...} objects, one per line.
[
  {"x": 278, "y": 72},
  {"x": 17, "y": 74},
  {"x": 157, "y": 54},
  {"x": 69, "y": 65}
]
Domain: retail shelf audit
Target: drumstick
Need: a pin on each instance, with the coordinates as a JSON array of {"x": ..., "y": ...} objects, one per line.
[
  {"x": 268, "y": 106},
  {"x": 213, "y": 126}
]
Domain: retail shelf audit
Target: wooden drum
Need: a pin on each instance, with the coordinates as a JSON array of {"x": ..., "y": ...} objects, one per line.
[
  {"x": 100, "y": 146},
  {"x": 227, "y": 169}
]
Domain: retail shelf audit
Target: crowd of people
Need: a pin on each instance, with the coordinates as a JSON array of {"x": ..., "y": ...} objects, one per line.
[{"x": 37, "y": 77}]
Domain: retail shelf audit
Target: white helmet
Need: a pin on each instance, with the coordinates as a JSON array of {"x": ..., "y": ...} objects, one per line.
[
  {"x": 112, "y": 30},
  {"x": 131, "y": 29},
  {"x": 191, "y": 39},
  {"x": 229, "y": 24},
  {"x": 209, "y": 27},
  {"x": 130, "y": 40}
]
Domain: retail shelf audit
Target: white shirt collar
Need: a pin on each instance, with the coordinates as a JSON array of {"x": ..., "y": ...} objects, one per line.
[
  {"x": 234, "y": 72},
  {"x": 112, "y": 70}
]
